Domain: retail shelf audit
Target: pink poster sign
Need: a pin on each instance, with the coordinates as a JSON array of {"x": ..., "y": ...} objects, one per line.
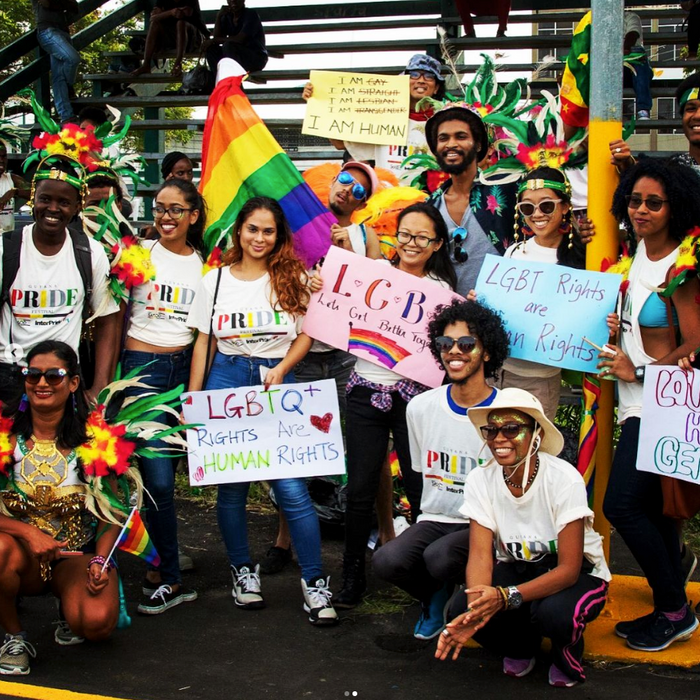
[{"x": 374, "y": 311}]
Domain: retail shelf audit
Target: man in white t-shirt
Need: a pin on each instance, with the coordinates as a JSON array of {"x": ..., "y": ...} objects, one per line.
[
  {"x": 46, "y": 298},
  {"x": 429, "y": 558}
]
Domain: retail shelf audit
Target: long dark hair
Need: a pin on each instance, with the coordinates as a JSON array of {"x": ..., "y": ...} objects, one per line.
[
  {"x": 574, "y": 256},
  {"x": 195, "y": 232},
  {"x": 438, "y": 264},
  {"x": 70, "y": 432}
]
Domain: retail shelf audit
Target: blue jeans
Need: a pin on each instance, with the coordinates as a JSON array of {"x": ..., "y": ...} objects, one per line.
[
  {"x": 64, "y": 67},
  {"x": 634, "y": 506},
  {"x": 167, "y": 372},
  {"x": 230, "y": 371},
  {"x": 640, "y": 81}
]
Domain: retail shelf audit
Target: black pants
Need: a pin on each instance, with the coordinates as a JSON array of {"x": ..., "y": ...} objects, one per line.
[
  {"x": 368, "y": 431},
  {"x": 634, "y": 506},
  {"x": 562, "y": 617},
  {"x": 11, "y": 382},
  {"x": 424, "y": 557},
  {"x": 693, "y": 31}
]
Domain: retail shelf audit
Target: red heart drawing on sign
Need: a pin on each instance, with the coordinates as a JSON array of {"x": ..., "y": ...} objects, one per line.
[
  {"x": 188, "y": 400},
  {"x": 198, "y": 474},
  {"x": 322, "y": 423}
]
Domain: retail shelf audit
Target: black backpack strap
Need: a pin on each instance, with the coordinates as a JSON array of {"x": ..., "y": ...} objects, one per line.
[
  {"x": 211, "y": 328},
  {"x": 11, "y": 248},
  {"x": 83, "y": 259}
]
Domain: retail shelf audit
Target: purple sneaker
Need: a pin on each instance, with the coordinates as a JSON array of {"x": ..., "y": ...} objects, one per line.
[
  {"x": 558, "y": 679},
  {"x": 518, "y": 667}
]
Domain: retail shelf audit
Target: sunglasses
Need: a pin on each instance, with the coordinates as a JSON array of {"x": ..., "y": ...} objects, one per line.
[
  {"x": 546, "y": 206},
  {"x": 358, "y": 191},
  {"x": 509, "y": 430},
  {"x": 175, "y": 213},
  {"x": 428, "y": 77},
  {"x": 465, "y": 344},
  {"x": 53, "y": 376},
  {"x": 421, "y": 241},
  {"x": 634, "y": 201},
  {"x": 459, "y": 236}
]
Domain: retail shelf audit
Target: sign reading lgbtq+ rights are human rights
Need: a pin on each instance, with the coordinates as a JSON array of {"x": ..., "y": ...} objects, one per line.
[
  {"x": 669, "y": 433},
  {"x": 548, "y": 309},
  {"x": 253, "y": 434},
  {"x": 376, "y": 312},
  {"x": 359, "y": 107}
]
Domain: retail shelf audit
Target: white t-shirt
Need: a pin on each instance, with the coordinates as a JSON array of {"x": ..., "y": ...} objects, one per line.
[
  {"x": 7, "y": 211},
  {"x": 247, "y": 319},
  {"x": 445, "y": 447},
  {"x": 159, "y": 310},
  {"x": 391, "y": 157},
  {"x": 527, "y": 528},
  {"x": 531, "y": 250},
  {"x": 381, "y": 375},
  {"x": 47, "y": 295}
]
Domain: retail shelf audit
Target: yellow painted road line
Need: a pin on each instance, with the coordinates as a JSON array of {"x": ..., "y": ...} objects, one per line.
[{"x": 37, "y": 692}]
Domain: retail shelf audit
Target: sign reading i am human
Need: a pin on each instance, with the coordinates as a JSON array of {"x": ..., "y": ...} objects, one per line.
[
  {"x": 359, "y": 107},
  {"x": 669, "y": 433},
  {"x": 548, "y": 309},
  {"x": 253, "y": 434},
  {"x": 374, "y": 311}
]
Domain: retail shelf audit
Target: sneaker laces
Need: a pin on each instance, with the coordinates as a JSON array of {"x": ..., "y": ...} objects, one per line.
[
  {"x": 248, "y": 580},
  {"x": 319, "y": 595},
  {"x": 160, "y": 592},
  {"x": 16, "y": 645}
]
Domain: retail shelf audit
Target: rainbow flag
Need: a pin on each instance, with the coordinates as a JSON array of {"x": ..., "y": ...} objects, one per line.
[
  {"x": 588, "y": 432},
  {"x": 384, "y": 350},
  {"x": 134, "y": 539},
  {"x": 575, "y": 83},
  {"x": 241, "y": 159}
]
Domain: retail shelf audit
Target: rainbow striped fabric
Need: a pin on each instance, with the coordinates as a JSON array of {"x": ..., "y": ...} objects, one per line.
[
  {"x": 134, "y": 539},
  {"x": 241, "y": 159}
]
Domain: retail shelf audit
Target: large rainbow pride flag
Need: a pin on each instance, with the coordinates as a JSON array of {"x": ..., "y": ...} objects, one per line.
[{"x": 241, "y": 159}]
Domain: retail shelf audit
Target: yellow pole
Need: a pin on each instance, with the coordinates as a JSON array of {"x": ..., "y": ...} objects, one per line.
[{"x": 605, "y": 126}]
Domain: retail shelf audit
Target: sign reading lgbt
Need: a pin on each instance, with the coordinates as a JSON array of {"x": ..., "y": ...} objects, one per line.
[
  {"x": 358, "y": 107},
  {"x": 253, "y": 434},
  {"x": 669, "y": 434},
  {"x": 376, "y": 312},
  {"x": 548, "y": 309}
]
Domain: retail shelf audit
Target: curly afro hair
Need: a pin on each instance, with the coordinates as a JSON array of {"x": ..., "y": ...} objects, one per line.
[
  {"x": 483, "y": 322},
  {"x": 678, "y": 181}
]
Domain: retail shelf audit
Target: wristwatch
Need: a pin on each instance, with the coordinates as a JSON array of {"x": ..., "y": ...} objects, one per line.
[
  {"x": 515, "y": 598},
  {"x": 639, "y": 374}
]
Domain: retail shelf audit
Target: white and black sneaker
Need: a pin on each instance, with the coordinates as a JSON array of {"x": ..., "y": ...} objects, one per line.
[
  {"x": 14, "y": 655},
  {"x": 164, "y": 598},
  {"x": 65, "y": 636},
  {"x": 246, "y": 590},
  {"x": 317, "y": 601}
]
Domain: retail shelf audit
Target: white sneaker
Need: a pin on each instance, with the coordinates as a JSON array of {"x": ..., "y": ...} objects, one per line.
[
  {"x": 246, "y": 590},
  {"x": 317, "y": 601},
  {"x": 185, "y": 561},
  {"x": 14, "y": 655}
]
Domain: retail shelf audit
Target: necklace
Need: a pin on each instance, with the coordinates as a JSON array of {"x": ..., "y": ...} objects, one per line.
[
  {"x": 530, "y": 479},
  {"x": 44, "y": 464}
]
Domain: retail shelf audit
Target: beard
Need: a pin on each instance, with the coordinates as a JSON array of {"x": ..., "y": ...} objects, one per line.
[{"x": 457, "y": 168}]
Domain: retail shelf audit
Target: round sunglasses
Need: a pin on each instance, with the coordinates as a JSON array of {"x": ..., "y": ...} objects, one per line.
[
  {"x": 546, "y": 206},
  {"x": 358, "y": 191},
  {"x": 465, "y": 343},
  {"x": 53, "y": 376},
  {"x": 509, "y": 430}
]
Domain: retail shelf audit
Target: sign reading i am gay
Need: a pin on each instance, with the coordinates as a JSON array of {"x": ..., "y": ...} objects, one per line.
[{"x": 378, "y": 313}]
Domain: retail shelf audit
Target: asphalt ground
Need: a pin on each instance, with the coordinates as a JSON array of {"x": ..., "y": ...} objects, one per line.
[{"x": 210, "y": 649}]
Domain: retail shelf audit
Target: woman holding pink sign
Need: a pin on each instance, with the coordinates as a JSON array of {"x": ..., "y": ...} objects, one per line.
[
  {"x": 377, "y": 400},
  {"x": 251, "y": 311}
]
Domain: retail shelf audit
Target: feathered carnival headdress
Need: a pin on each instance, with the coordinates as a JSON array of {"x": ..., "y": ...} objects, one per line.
[{"x": 10, "y": 133}]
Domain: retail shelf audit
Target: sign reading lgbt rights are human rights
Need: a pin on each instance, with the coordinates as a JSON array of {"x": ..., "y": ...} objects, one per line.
[
  {"x": 360, "y": 107},
  {"x": 548, "y": 309},
  {"x": 253, "y": 434},
  {"x": 374, "y": 311}
]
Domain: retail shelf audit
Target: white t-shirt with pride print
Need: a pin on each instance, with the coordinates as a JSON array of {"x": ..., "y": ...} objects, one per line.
[{"x": 247, "y": 319}]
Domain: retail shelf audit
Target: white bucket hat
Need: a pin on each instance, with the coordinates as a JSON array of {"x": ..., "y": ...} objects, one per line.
[{"x": 521, "y": 400}]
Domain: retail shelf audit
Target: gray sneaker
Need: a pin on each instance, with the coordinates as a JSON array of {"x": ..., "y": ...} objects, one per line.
[
  {"x": 246, "y": 590},
  {"x": 165, "y": 598},
  {"x": 185, "y": 561},
  {"x": 65, "y": 636},
  {"x": 14, "y": 655}
]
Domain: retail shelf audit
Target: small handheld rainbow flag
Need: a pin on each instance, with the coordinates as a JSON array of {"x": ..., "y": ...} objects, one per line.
[{"x": 134, "y": 539}]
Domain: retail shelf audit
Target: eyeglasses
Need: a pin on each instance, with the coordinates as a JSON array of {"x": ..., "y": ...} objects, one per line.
[
  {"x": 428, "y": 77},
  {"x": 509, "y": 430},
  {"x": 421, "y": 241},
  {"x": 175, "y": 213},
  {"x": 634, "y": 201},
  {"x": 53, "y": 376},
  {"x": 358, "y": 191},
  {"x": 465, "y": 343},
  {"x": 546, "y": 206},
  {"x": 459, "y": 236}
]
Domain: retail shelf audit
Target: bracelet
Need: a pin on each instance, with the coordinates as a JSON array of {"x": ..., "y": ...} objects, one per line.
[
  {"x": 98, "y": 559},
  {"x": 504, "y": 595}
]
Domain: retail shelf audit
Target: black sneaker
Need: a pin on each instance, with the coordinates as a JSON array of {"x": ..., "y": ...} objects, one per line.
[
  {"x": 624, "y": 629},
  {"x": 164, "y": 598},
  {"x": 662, "y": 632},
  {"x": 277, "y": 558},
  {"x": 688, "y": 563}
]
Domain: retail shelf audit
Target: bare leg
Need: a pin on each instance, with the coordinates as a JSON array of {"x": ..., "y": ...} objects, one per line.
[
  {"x": 181, "y": 42},
  {"x": 152, "y": 42},
  {"x": 385, "y": 504},
  {"x": 284, "y": 539}
]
